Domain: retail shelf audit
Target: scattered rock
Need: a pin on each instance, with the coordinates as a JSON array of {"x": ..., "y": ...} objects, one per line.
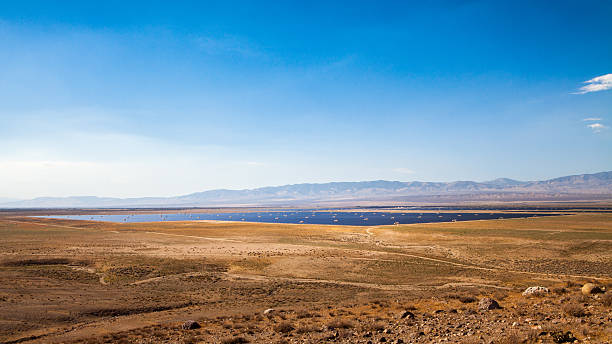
[
  {"x": 269, "y": 311},
  {"x": 407, "y": 315},
  {"x": 563, "y": 337},
  {"x": 487, "y": 304},
  {"x": 591, "y": 288},
  {"x": 333, "y": 336},
  {"x": 535, "y": 291},
  {"x": 383, "y": 339},
  {"x": 190, "y": 325}
]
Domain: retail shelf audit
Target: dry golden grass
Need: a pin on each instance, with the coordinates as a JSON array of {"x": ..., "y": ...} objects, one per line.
[
  {"x": 574, "y": 310},
  {"x": 55, "y": 274},
  {"x": 606, "y": 299}
]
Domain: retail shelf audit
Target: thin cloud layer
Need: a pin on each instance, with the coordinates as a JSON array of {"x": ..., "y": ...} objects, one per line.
[{"x": 600, "y": 83}]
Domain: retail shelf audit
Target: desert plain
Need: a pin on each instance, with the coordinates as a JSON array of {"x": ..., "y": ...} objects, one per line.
[{"x": 66, "y": 281}]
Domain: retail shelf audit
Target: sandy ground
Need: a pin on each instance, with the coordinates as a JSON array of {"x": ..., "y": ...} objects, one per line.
[{"x": 80, "y": 281}]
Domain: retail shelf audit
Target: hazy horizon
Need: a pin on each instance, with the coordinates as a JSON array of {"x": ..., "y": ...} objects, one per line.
[
  {"x": 134, "y": 100},
  {"x": 11, "y": 199},
  {"x": 2, "y": 197}
]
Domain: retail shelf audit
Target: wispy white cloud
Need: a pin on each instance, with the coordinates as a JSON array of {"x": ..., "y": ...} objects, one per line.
[
  {"x": 600, "y": 83},
  {"x": 595, "y": 124},
  {"x": 597, "y": 127}
]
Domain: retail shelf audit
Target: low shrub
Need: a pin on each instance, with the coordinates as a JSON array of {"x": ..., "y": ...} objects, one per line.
[
  {"x": 378, "y": 327},
  {"x": 304, "y": 314},
  {"x": 340, "y": 324},
  {"x": 574, "y": 310},
  {"x": 511, "y": 338},
  {"x": 307, "y": 329},
  {"x": 462, "y": 298},
  {"x": 606, "y": 299},
  {"x": 468, "y": 299},
  {"x": 572, "y": 284},
  {"x": 284, "y": 327},
  {"x": 234, "y": 340},
  {"x": 45, "y": 261}
]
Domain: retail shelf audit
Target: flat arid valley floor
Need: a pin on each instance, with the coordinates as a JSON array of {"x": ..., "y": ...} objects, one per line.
[{"x": 90, "y": 282}]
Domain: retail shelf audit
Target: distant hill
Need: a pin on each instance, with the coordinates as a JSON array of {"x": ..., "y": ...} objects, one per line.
[{"x": 576, "y": 187}]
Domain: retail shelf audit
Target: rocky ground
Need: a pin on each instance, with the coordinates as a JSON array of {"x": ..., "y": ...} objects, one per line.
[
  {"x": 197, "y": 282},
  {"x": 562, "y": 316}
]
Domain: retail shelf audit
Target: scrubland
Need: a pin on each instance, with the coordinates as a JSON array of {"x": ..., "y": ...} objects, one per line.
[{"x": 89, "y": 282}]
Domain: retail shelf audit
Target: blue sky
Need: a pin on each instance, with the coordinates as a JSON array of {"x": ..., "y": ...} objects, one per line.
[{"x": 153, "y": 98}]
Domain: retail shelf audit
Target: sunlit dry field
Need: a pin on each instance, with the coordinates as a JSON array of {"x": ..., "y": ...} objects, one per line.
[{"x": 79, "y": 281}]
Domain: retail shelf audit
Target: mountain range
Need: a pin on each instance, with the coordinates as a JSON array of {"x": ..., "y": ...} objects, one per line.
[{"x": 596, "y": 186}]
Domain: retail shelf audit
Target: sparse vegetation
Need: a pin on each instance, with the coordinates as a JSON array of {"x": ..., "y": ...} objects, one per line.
[
  {"x": 377, "y": 326},
  {"x": 284, "y": 327},
  {"x": 323, "y": 288},
  {"x": 303, "y": 314},
  {"x": 45, "y": 261},
  {"x": 307, "y": 329},
  {"x": 574, "y": 310},
  {"x": 235, "y": 340},
  {"x": 340, "y": 324},
  {"x": 606, "y": 299},
  {"x": 251, "y": 264},
  {"x": 463, "y": 298},
  {"x": 559, "y": 290},
  {"x": 510, "y": 338}
]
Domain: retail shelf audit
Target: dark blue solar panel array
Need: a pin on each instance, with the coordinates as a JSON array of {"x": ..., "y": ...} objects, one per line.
[{"x": 309, "y": 217}]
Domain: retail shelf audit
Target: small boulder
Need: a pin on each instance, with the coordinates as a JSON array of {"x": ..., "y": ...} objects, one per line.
[
  {"x": 591, "y": 288},
  {"x": 407, "y": 315},
  {"x": 536, "y": 291},
  {"x": 487, "y": 304},
  {"x": 269, "y": 311},
  {"x": 190, "y": 325},
  {"x": 563, "y": 337}
]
